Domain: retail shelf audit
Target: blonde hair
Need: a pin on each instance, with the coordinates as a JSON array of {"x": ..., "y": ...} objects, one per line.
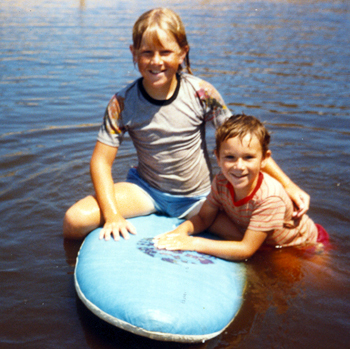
[
  {"x": 167, "y": 20},
  {"x": 239, "y": 126}
]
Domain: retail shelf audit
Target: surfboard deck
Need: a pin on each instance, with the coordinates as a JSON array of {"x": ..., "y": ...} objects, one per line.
[{"x": 178, "y": 296}]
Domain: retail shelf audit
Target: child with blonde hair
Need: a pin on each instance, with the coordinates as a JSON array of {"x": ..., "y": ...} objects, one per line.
[
  {"x": 256, "y": 207},
  {"x": 165, "y": 113}
]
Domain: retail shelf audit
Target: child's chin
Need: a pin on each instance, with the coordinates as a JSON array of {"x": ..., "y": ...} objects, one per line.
[
  {"x": 239, "y": 181},
  {"x": 240, "y": 184}
]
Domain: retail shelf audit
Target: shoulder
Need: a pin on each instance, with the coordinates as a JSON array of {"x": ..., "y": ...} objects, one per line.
[
  {"x": 271, "y": 192},
  {"x": 220, "y": 185},
  {"x": 219, "y": 190},
  {"x": 124, "y": 99},
  {"x": 129, "y": 88},
  {"x": 220, "y": 180},
  {"x": 271, "y": 187},
  {"x": 203, "y": 88},
  {"x": 206, "y": 97},
  {"x": 269, "y": 205},
  {"x": 190, "y": 79}
]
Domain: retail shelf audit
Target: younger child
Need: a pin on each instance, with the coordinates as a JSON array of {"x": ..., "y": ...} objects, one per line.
[{"x": 257, "y": 208}]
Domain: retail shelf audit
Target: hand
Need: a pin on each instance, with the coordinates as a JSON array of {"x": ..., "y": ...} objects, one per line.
[
  {"x": 300, "y": 198},
  {"x": 173, "y": 241},
  {"x": 116, "y": 228}
]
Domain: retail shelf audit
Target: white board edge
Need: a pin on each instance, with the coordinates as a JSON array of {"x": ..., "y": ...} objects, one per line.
[{"x": 160, "y": 336}]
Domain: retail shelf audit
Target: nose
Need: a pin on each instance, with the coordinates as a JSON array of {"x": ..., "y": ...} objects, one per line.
[
  {"x": 239, "y": 164},
  {"x": 156, "y": 58}
]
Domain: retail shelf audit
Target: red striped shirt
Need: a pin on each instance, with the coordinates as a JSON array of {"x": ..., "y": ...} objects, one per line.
[{"x": 267, "y": 209}]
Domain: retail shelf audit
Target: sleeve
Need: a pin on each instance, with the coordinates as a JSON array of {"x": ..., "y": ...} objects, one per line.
[
  {"x": 215, "y": 108},
  {"x": 112, "y": 129},
  {"x": 268, "y": 215}
]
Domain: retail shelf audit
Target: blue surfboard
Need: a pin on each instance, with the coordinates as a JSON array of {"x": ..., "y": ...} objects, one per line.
[{"x": 178, "y": 296}]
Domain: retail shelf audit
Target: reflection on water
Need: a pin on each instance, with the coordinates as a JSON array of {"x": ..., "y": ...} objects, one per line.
[{"x": 286, "y": 62}]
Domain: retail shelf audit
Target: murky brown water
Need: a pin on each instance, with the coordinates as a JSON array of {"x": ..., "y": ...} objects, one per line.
[{"x": 286, "y": 62}]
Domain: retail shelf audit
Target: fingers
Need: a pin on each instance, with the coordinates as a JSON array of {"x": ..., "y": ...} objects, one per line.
[
  {"x": 302, "y": 210},
  {"x": 302, "y": 203},
  {"x": 166, "y": 245},
  {"x": 161, "y": 238},
  {"x": 300, "y": 199},
  {"x": 117, "y": 229},
  {"x": 168, "y": 241}
]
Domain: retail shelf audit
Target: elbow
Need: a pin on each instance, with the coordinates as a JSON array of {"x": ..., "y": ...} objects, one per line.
[
  {"x": 97, "y": 166},
  {"x": 239, "y": 258},
  {"x": 95, "y": 161},
  {"x": 242, "y": 255},
  {"x": 248, "y": 252}
]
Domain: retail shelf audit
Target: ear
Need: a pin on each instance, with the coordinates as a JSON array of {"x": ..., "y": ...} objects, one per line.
[
  {"x": 133, "y": 52},
  {"x": 266, "y": 158},
  {"x": 183, "y": 53},
  {"x": 217, "y": 157}
]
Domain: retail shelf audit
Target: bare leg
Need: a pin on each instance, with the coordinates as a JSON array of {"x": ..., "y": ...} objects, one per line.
[
  {"x": 85, "y": 215},
  {"x": 225, "y": 228}
]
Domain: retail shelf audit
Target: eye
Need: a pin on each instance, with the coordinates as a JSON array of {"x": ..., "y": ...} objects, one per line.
[
  {"x": 146, "y": 53},
  {"x": 166, "y": 52}
]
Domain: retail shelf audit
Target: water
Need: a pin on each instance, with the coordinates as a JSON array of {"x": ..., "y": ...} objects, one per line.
[{"x": 286, "y": 62}]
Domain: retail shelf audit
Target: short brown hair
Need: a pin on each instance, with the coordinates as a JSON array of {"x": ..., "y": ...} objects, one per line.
[
  {"x": 167, "y": 20},
  {"x": 239, "y": 126}
]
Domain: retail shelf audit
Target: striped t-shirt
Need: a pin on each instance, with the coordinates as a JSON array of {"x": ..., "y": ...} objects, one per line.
[{"x": 267, "y": 209}]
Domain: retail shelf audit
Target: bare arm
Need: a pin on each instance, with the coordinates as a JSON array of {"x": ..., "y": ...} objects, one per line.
[
  {"x": 231, "y": 250},
  {"x": 298, "y": 196},
  {"x": 196, "y": 224},
  {"x": 101, "y": 174},
  {"x": 181, "y": 239}
]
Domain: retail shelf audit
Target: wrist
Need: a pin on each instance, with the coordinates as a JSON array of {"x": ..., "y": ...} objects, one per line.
[
  {"x": 196, "y": 244},
  {"x": 112, "y": 216}
]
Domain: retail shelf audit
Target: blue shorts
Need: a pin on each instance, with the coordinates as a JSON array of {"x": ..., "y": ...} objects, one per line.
[{"x": 172, "y": 205}]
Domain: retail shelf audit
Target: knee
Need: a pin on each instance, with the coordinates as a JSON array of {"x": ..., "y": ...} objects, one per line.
[{"x": 72, "y": 224}]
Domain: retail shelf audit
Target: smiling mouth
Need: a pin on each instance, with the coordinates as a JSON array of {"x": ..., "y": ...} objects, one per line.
[
  {"x": 156, "y": 72},
  {"x": 238, "y": 176}
]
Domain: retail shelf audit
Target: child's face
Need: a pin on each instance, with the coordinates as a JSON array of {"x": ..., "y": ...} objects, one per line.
[
  {"x": 158, "y": 63},
  {"x": 240, "y": 162}
]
